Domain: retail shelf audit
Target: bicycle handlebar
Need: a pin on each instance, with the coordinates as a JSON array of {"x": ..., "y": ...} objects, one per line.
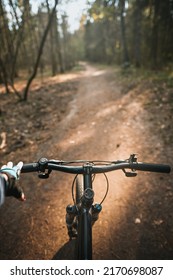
[{"x": 43, "y": 164}]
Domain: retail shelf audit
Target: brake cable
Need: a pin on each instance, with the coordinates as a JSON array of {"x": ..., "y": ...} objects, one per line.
[{"x": 107, "y": 187}]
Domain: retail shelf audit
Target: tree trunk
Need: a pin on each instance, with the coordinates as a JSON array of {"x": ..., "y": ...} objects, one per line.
[
  {"x": 123, "y": 33},
  {"x": 137, "y": 33},
  {"x": 58, "y": 48},
  {"x": 25, "y": 96},
  {"x": 155, "y": 33},
  {"x": 53, "y": 29},
  {"x": 4, "y": 76}
]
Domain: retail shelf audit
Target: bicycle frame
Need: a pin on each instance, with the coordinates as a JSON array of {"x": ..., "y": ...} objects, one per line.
[{"x": 84, "y": 239}]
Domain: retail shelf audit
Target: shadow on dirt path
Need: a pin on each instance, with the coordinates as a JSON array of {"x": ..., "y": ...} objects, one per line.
[{"x": 91, "y": 116}]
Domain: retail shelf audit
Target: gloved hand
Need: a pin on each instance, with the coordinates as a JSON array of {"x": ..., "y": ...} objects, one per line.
[{"x": 11, "y": 174}]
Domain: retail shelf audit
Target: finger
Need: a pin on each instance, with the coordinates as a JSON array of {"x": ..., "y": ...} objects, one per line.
[
  {"x": 4, "y": 166},
  {"x": 18, "y": 168},
  {"x": 22, "y": 198},
  {"x": 19, "y": 165},
  {"x": 10, "y": 164}
]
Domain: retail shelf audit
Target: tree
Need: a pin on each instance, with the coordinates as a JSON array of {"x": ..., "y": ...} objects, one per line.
[
  {"x": 137, "y": 25},
  {"x": 100, "y": 32},
  {"x": 123, "y": 32},
  {"x": 12, "y": 37},
  {"x": 155, "y": 34},
  {"x": 53, "y": 31},
  {"x": 40, "y": 50}
]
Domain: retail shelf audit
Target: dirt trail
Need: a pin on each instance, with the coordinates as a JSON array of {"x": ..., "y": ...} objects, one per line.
[{"x": 97, "y": 121}]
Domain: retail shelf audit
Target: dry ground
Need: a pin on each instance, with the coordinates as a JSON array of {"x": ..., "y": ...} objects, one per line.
[{"x": 95, "y": 113}]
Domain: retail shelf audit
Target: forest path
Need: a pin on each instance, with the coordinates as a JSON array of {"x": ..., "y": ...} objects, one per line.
[{"x": 100, "y": 120}]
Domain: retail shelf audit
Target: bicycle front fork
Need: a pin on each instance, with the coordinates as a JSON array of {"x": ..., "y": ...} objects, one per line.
[{"x": 72, "y": 211}]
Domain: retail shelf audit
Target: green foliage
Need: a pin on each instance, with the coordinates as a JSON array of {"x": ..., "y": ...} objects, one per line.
[{"x": 137, "y": 31}]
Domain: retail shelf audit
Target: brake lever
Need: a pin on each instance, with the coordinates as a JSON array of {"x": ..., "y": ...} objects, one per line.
[
  {"x": 132, "y": 159},
  {"x": 129, "y": 174}
]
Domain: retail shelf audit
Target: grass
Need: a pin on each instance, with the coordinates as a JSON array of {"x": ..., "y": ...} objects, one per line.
[{"x": 164, "y": 76}]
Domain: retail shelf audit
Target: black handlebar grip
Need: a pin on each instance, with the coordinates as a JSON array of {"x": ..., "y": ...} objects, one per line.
[
  {"x": 161, "y": 168},
  {"x": 30, "y": 167}
]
